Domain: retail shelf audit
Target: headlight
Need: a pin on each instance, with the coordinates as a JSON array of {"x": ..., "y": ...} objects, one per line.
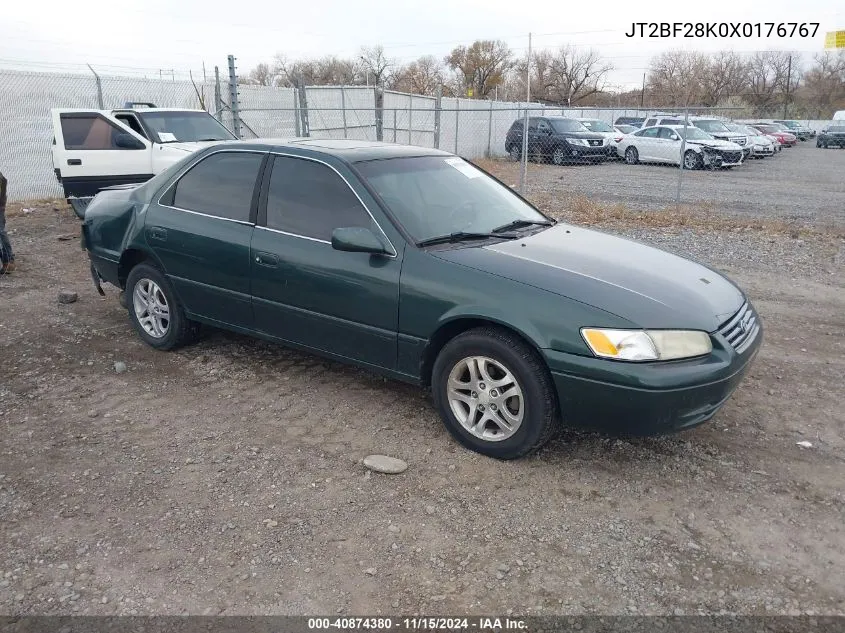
[
  {"x": 647, "y": 344},
  {"x": 577, "y": 141}
]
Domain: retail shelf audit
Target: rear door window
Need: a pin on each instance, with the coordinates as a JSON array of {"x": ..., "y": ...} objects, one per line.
[{"x": 221, "y": 185}]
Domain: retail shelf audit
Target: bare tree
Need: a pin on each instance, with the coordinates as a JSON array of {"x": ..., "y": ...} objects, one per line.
[
  {"x": 824, "y": 84},
  {"x": 324, "y": 71},
  {"x": 675, "y": 77},
  {"x": 261, "y": 75},
  {"x": 576, "y": 74},
  {"x": 769, "y": 76},
  {"x": 375, "y": 64},
  {"x": 724, "y": 74},
  {"x": 481, "y": 66},
  {"x": 423, "y": 76}
]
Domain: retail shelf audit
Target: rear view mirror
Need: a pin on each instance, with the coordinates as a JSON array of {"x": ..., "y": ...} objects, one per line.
[
  {"x": 127, "y": 141},
  {"x": 357, "y": 240}
]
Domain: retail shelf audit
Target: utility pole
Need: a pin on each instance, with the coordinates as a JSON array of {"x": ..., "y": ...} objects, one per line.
[
  {"x": 524, "y": 157},
  {"x": 788, "y": 81},
  {"x": 642, "y": 94}
]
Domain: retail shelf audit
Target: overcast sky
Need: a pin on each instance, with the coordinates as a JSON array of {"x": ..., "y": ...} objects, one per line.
[{"x": 149, "y": 35}]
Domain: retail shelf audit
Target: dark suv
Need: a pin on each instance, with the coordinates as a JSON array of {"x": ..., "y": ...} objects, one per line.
[{"x": 558, "y": 139}]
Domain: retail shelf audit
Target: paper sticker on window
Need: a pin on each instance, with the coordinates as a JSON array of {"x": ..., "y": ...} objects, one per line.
[
  {"x": 167, "y": 137},
  {"x": 464, "y": 167}
]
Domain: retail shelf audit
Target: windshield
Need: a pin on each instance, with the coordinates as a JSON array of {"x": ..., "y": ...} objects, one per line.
[
  {"x": 767, "y": 129},
  {"x": 790, "y": 124},
  {"x": 712, "y": 126},
  {"x": 626, "y": 129},
  {"x": 172, "y": 127},
  {"x": 693, "y": 134},
  {"x": 432, "y": 196},
  {"x": 780, "y": 127},
  {"x": 597, "y": 126},
  {"x": 567, "y": 125}
]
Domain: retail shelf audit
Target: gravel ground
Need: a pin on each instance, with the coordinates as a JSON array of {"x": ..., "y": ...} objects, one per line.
[{"x": 226, "y": 478}]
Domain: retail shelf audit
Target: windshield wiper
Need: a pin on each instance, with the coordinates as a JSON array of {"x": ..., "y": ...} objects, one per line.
[
  {"x": 518, "y": 224},
  {"x": 461, "y": 236}
]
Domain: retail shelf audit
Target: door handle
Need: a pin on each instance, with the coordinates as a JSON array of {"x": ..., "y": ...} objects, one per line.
[
  {"x": 266, "y": 259},
  {"x": 74, "y": 161},
  {"x": 158, "y": 233}
]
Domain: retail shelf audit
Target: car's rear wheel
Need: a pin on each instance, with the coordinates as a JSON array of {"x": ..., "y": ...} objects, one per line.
[
  {"x": 632, "y": 156},
  {"x": 693, "y": 160},
  {"x": 155, "y": 310},
  {"x": 494, "y": 393}
]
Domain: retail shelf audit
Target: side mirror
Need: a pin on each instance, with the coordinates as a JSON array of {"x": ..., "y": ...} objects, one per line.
[
  {"x": 127, "y": 141},
  {"x": 357, "y": 240},
  {"x": 674, "y": 137}
]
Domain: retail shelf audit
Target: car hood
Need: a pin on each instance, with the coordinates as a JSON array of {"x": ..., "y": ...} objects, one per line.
[
  {"x": 186, "y": 146},
  {"x": 716, "y": 144},
  {"x": 644, "y": 285}
]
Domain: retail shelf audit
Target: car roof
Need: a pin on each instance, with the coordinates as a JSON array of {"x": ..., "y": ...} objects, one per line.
[{"x": 349, "y": 150}]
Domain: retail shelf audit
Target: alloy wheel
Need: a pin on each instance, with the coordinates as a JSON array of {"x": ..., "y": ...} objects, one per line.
[
  {"x": 558, "y": 156},
  {"x": 486, "y": 398},
  {"x": 151, "y": 307}
]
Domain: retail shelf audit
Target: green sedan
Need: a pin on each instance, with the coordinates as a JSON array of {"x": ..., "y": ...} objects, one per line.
[{"x": 415, "y": 264}]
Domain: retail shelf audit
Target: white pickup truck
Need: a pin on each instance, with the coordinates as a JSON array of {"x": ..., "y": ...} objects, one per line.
[{"x": 93, "y": 149}]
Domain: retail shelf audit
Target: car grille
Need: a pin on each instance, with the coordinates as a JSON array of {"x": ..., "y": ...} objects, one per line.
[
  {"x": 731, "y": 157},
  {"x": 741, "y": 329},
  {"x": 739, "y": 140},
  {"x": 595, "y": 143}
]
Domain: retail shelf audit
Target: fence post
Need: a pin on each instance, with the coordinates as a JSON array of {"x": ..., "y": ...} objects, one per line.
[
  {"x": 233, "y": 97},
  {"x": 457, "y": 113},
  {"x": 343, "y": 109},
  {"x": 490, "y": 132},
  {"x": 303, "y": 110},
  {"x": 296, "y": 119},
  {"x": 394, "y": 124},
  {"x": 410, "y": 118},
  {"x": 437, "y": 108},
  {"x": 218, "y": 98},
  {"x": 379, "y": 103},
  {"x": 99, "y": 88}
]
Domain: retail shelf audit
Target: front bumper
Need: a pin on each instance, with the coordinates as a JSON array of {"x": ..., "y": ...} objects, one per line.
[
  {"x": 763, "y": 150},
  {"x": 588, "y": 151},
  {"x": 647, "y": 398}
]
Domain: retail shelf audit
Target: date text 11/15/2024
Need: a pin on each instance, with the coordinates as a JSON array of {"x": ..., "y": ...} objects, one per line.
[{"x": 483, "y": 624}]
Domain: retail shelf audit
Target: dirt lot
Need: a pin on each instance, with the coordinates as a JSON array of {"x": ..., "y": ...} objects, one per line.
[{"x": 226, "y": 478}]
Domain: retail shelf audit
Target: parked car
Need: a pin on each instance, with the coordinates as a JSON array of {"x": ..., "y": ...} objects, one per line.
[
  {"x": 715, "y": 127},
  {"x": 758, "y": 144},
  {"x": 786, "y": 139},
  {"x": 610, "y": 134},
  {"x": 833, "y": 135},
  {"x": 558, "y": 139},
  {"x": 633, "y": 121},
  {"x": 663, "y": 144},
  {"x": 93, "y": 149},
  {"x": 415, "y": 264},
  {"x": 801, "y": 131},
  {"x": 625, "y": 129}
]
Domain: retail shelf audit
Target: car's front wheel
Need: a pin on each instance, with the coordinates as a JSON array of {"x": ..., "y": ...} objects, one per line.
[
  {"x": 494, "y": 393},
  {"x": 514, "y": 152},
  {"x": 632, "y": 156},
  {"x": 559, "y": 156},
  {"x": 155, "y": 310},
  {"x": 693, "y": 160}
]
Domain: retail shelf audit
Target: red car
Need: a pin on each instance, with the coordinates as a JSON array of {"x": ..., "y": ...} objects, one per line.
[{"x": 784, "y": 138}]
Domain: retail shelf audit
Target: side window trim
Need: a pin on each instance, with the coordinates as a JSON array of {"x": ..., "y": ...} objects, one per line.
[
  {"x": 262, "y": 207},
  {"x": 168, "y": 193}
]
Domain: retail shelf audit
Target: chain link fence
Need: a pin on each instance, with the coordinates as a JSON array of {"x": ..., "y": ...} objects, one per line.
[{"x": 471, "y": 128}]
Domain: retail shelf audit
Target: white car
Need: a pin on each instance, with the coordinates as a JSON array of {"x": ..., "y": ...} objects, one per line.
[
  {"x": 664, "y": 144},
  {"x": 609, "y": 132},
  {"x": 762, "y": 145},
  {"x": 94, "y": 149}
]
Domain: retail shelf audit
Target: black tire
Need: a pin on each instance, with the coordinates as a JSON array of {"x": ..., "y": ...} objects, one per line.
[
  {"x": 180, "y": 330},
  {"x": 632, "y": 156},
  {"x": 559, "y": 155},
  {"x": 540, "y": 415},
  {"x": 515, "y": 152},
  {"x": 693, "y": 160}
]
